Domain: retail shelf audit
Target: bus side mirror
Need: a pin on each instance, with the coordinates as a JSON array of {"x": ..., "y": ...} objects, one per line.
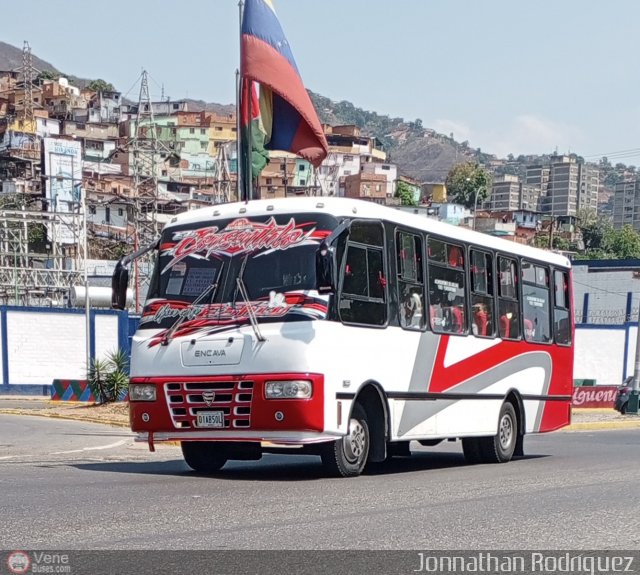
[
  {"x": 119, "y": 284},
  {"x": 326, "y": 280}
]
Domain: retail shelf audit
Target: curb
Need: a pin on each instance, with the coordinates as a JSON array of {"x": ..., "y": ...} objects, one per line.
[{"x": 596, "y": 425}]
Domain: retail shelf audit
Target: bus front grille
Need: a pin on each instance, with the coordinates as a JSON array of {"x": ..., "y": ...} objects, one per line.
[{"x": 186, "y": 399}]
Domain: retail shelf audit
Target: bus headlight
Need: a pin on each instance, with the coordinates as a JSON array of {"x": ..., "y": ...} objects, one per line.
[
  {"x": 295, "y": 389},
  {"x": 142, "y": 392}
]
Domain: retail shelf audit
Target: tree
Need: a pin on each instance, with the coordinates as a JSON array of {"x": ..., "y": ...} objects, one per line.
[
  {"x": 406, "y": 194},
  {"x": 466, "y": 180},
  {"x": 626, "y": 243},
  {"x": 46, "y": 75},
  {"x": 597, "y": 233},
  {"x": 100, "y": 85}
]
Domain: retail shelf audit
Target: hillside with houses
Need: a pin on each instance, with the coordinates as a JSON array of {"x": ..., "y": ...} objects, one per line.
[{"x": 74, "y": 149}]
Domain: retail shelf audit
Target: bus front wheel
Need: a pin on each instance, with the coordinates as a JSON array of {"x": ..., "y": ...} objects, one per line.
[
  {"x": 347, "y": 457},
  {"x": 202, "y": 456}
]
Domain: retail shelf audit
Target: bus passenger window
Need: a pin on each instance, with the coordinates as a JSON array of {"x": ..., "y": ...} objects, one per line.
[
  {"x": 508, "y": 304},
  {"x": 411, "y": 308},
  {"x": 362, "y": 297},
  {"x": 535, "y": 303},
  {"x": 446, "y": 287},
  {"x": 561, "y": 319},
  {"x": 482, "y": 302}
]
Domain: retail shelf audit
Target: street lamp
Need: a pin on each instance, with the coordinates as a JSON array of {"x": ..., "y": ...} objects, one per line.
[
  {"x": 475, "y": 203},
  {"x": 475, "y": 206}
]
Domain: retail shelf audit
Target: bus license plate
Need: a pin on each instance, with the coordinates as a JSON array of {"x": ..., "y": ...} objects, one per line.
[{"x": 210, "y": 419}]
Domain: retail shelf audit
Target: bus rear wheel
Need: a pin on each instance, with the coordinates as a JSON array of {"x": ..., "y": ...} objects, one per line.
[
  {"x": 346, "y": 457},
  {"x": 497, "y": 448},
  {"x": 500, "y": 447},
  {"x": 202, "y": 456}
]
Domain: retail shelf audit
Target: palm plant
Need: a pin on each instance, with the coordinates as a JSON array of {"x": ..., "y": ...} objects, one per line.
[{"x": 108, "y": 378}]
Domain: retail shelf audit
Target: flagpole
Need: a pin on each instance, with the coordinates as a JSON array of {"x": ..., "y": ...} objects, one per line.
[
  {"x": 239, "y": 155},
  {"x": 249, "y": 174}
]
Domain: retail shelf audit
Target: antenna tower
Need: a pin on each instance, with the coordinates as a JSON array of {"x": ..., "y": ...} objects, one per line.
[
  {"x": 222, "y": 176},
  {"x": 145, "y": 150},
  {"x": 27, "y": 78}
]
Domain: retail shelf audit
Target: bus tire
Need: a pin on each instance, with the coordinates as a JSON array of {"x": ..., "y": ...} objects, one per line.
[
  {"x": 471, "y": 450},
  {"x": 500, "y": 447},
  {"x": 346, "y": 457},
  {"x": 202, "y": 456}
]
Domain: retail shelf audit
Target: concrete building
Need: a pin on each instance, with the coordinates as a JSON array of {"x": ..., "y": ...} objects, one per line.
[
  {"x": 366, "y": 186},
  {"x": 626, "y": 204},
  {"x": 348, "y": 152},
  {"x": 566, "y": 186},
  {"x": 508, "y": 193}
]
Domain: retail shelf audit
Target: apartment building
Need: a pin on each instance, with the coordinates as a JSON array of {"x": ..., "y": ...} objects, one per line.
[
  {"x": 508, "y": 193},
  {"x": 626, "y": 204},
  {"x": 565, "y": 185}
]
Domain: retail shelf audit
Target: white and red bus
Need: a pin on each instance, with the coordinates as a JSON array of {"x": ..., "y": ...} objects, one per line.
[{"x": 346, "y": 329}]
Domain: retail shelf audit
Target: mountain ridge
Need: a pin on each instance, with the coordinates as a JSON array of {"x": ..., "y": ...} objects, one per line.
[{"x": 420, "y": 153}]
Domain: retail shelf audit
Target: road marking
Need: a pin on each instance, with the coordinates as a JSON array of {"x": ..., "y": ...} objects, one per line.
[{"x": 100, "y": 447}]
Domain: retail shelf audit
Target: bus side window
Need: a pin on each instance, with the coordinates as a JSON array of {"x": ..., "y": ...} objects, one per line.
[
  {"x": 411, "y": 308},
  {"x": 561, "y": 320},
  {"x": 482, "y": 307},
  {"x": 446, "y": 287},
  {"x": 362, "y": 297},
  {"x": 535, "y": 302},
  {"x": 508, "y": 305}
]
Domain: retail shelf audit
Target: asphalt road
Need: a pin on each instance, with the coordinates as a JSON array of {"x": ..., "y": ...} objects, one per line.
[{"x": 73, "y": 485}]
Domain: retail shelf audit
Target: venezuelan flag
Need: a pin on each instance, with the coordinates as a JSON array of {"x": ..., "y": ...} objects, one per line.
[{"x": 287, "y": 113}]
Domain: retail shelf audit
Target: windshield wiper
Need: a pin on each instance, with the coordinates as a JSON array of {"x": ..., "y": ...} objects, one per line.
[
  {"x": 210, "y": 289},
  {"x": 242, "y": 289}
]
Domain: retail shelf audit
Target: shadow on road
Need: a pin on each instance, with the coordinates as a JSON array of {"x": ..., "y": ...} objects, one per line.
[{"x": 288, "y": 468}]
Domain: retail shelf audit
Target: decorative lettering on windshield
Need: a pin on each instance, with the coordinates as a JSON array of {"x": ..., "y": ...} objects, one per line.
[{"x": 240, "y": 236}]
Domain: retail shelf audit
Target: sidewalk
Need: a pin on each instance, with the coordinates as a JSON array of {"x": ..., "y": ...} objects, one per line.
[
  {"x": 592, "y": 419},
  {"x": 117, "y": 413}
]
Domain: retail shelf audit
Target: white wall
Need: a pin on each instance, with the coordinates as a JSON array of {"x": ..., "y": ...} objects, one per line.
[
  {"x": 599, "y": 355},
  {"x": 43, "y": 345},
  {"x": 106, "y": 334}
]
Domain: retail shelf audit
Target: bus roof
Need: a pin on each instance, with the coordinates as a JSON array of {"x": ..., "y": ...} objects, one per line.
[{"x": 347, "y": 207}]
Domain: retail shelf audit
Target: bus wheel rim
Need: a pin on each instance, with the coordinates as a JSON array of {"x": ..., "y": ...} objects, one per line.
[
  {"x": 355, "y": 441},
  {"x": 506, "y": 432}
]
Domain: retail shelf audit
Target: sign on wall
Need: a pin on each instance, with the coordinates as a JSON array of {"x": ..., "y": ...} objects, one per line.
[
  {"x": 594, "y": 396},
  {"x": 63, "y": 184}
]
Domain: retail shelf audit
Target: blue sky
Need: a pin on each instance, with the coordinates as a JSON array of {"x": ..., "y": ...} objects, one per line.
[{"x": 506, "y": 75}]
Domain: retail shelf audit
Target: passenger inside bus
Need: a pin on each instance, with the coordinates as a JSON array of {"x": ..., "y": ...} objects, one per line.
[
  {"x": 505, "y": 325},
  {"x": 412, "y": 309},
  {"x": 480, "y": 319},
  {"x": 457, "y": 317},
  {"x": 455, "y": 257},
  {"x": 529, "y": 330}
]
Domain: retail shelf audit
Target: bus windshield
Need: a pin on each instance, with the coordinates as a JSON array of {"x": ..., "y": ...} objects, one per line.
[{"x": 198, "y": 267}]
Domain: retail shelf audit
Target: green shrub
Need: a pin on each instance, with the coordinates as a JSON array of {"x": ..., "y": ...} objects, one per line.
[{"x": 108, "y": 378}]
